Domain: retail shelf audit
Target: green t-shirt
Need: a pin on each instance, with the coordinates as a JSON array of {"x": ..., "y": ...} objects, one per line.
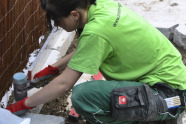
[{"x": 123, "y": 46}]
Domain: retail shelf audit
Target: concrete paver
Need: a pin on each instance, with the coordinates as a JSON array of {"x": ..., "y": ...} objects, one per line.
[{"x": 44, "y": 119}]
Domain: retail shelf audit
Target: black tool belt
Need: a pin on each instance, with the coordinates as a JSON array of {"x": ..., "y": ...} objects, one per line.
[
  {"x": 141, "y": 103},
  {"x": 166, "y": 91}
]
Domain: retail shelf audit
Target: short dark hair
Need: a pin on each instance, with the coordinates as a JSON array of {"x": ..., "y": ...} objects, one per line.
[{"x": 56, "y": 9}]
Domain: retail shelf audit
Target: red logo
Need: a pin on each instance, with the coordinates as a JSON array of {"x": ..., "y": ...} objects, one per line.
[{"x": 122, "y": 100}]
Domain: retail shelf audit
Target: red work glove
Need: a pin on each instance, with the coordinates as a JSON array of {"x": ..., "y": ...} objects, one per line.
[
  {"x": 18, "y": 106},
  {"x": 47, "y": 72}
]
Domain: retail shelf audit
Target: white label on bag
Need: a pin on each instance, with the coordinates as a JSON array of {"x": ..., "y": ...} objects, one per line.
[{"x": 173, "y": 102}]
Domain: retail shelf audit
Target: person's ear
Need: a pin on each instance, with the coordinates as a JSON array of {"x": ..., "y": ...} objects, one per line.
[{"x": 75, "y": 14}]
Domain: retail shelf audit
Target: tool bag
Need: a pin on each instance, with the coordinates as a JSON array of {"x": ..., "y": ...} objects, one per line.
[{"x": 137, "y": 103}]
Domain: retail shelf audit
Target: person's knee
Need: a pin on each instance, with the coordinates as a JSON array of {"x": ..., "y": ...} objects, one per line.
[{"x": 84, "y": 94}]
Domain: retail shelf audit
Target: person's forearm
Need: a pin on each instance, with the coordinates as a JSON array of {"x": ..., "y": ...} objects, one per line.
[
  {"x": 49, "y": 92},
  {"x": 57, "y": 87},
  {"x": 62, "y": 63}
]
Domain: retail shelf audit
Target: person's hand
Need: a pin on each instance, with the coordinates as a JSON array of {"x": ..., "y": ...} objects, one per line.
[
  {"x": 46, "y": 73},
  {"x": 17, "y": 107}
]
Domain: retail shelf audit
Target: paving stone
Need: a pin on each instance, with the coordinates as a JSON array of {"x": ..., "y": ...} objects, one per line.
[
  {"x": 6, "y": 117},
  {"x": 44, "y": 119}
]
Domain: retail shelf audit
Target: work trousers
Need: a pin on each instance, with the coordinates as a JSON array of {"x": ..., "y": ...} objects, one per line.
[{"x": 92, "y": 101}]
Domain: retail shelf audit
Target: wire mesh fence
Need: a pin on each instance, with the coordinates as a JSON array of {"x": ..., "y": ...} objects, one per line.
[{"x": 22, "y": 22}]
